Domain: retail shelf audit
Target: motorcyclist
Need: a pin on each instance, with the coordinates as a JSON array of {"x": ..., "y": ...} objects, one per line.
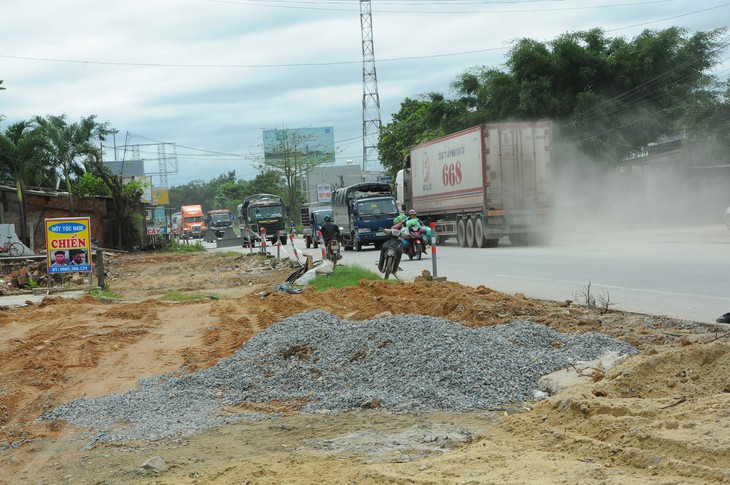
[
  {"x": 411, "y": 221},
  {"x": 330, "y": 231},
  {"x": 386, "y": 245}
]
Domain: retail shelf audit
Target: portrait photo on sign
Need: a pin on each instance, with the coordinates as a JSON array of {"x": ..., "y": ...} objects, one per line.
[
  {"x": 78, "y": 256},
  {"x": 59, "y": 258}
]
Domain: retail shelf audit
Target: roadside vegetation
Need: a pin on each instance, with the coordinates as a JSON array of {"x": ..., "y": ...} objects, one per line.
[
  {"x": 342, "y": 277},
  {"x": 105, "y": 292},
  {"x": 176, "y": 246}
]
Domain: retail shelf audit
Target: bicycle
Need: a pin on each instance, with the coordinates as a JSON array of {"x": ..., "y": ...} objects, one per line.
[{"x": 13, "y": 248}]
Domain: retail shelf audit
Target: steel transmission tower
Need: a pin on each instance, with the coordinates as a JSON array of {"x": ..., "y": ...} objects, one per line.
[
  {"x": 166, "y": 161},
  {"x": 370, "y": 98}
]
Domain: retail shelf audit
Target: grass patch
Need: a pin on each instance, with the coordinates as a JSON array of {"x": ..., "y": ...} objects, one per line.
[
  {"x": 178, "y": 296},
  {"x": 104, "y": 292},
  {"x": 343, "y": 276},
  {"x": 175, "y": 246}
]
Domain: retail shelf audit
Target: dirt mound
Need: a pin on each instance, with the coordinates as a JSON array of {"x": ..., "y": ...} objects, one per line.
[
  {"x": 659, "y": 413},
  {"x": 628, "y": 427}
]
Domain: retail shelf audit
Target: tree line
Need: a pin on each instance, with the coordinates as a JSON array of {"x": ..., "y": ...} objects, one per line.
[{"x": 609, "y": 98}]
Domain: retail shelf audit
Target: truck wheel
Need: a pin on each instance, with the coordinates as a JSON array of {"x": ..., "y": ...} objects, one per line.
[
  {"x": 461, "y": 232},
  {"x": 479, "y": 233},
  {"x": 282, "y": 239},
  {"x": 308, "y": 241},
  {"x": 470, "y": 242}
]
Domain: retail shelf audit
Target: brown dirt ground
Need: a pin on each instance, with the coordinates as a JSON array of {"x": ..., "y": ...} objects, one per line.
[{"x": 661, "y": 417}]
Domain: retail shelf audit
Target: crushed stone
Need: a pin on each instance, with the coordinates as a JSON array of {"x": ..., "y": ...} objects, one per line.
[{"x": 321, "y": 363}]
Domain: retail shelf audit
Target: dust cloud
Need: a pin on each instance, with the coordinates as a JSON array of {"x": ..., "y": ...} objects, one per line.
[{"x": 669, "y": 187}]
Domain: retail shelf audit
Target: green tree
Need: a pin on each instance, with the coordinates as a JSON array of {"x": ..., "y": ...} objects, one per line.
[
  {"x": 71, "y": 144},
  {"x": 609, "y": 96},
  {"x": 292, "y": 160},
  {"x": 231, "y": 193},
  {"x": 188, "y": 194},
  {"x": 23, "y": 155},
  {"x": 126, "y": 201},
  {"x": 90, "y": 185},
  {"x": 412, "y": 124},
  {"x": 200, "y": 192}
]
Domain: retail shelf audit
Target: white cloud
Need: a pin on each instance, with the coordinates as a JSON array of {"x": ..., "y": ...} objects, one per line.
[{"x": 141, "y": 64}]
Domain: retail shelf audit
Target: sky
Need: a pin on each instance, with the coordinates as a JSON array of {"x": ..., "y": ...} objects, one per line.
[{"x": 203, "y": 78}]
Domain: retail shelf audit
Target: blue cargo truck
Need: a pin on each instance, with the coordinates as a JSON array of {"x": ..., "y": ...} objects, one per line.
[{"x": 363, "y": 211}]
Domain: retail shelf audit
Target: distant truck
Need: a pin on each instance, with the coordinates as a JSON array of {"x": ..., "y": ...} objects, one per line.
[
  {"x": 176, "y": 223},
  {"x": 262, "y": 211},
  {"x": 483, "y": 183},
  {"x": 192, "y": 220},
  {"x": 312, "y": 219},
  {"x": 218, "y": 220},
  {"x": 363, "y": 211}
]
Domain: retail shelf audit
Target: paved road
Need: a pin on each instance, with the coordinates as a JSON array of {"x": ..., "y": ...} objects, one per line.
[{"x": 681, "y": 272}]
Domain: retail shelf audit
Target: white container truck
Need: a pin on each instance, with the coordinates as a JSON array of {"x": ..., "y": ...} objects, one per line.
[{"x": 484, "y": 183}]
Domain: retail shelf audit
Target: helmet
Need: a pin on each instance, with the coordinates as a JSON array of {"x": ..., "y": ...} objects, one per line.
[
  {"x": 412, "y": 212},
  {"x": 327, "y": 219}
]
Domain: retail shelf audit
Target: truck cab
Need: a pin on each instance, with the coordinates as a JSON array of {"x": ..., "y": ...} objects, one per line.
[
  {"x": 219, "y": 220},
  {"x": 262, "y": 214},
  {"x": 311, "y": 229},
  {"x": 363, "y": 211},
  {"x": 192, "y": 220}
]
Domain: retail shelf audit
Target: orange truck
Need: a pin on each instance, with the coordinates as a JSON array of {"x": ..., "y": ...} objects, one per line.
[{"x": 193, "y": 220}]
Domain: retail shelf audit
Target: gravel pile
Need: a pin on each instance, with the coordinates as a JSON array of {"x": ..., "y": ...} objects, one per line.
[{"x": 406, "y": 363}]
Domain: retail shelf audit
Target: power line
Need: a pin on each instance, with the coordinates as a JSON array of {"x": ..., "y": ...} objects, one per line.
[
  {"x": 245, "y": 66},
  {"x": 328, "y": 63},
  {"x": 303, "y": 6}
]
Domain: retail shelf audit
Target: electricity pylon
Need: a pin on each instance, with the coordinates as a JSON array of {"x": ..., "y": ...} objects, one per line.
[{"x": 370, "y": 98}]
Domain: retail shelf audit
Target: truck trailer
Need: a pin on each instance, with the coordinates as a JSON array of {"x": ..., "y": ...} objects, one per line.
[
  {"x": 363, "y": 211},
  {"x": 483, "y": 183},
  {"x": 262, "y": 211}
]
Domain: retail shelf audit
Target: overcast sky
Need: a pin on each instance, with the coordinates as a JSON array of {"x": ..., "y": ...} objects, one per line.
[{"x": 210, "y": 75}]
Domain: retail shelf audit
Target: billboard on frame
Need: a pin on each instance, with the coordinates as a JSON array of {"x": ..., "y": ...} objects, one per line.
[{"x": 316, "y": 146}]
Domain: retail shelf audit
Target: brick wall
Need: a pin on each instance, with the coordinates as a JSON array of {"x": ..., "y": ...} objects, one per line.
[{"x": 54, "y": 205}]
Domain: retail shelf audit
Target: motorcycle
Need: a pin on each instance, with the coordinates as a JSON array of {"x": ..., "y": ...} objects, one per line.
[
  {"x": 391, "y": 252},
  {"x": 333, "y": 251},
  {"x": 416, "y": 247}
]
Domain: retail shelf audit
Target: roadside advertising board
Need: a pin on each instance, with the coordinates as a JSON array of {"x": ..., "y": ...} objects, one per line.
[
  {"x": 68, "y": 245},
  {"x": 324, "y": 193}
]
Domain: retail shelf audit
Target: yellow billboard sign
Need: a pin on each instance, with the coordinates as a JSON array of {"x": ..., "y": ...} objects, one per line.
[
  {"x": 160, "y": 196},
  {"x": 68, "y": 244}
]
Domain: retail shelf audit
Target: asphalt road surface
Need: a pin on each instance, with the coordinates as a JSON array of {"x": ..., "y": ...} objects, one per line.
[{"x": 681, "y": 272}]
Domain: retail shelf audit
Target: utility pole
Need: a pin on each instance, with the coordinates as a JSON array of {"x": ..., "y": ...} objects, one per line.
[{"x": 370, "y": 98}]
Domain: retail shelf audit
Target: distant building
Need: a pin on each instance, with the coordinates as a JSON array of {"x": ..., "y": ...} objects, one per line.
[{"x": 335, "y": 177}]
